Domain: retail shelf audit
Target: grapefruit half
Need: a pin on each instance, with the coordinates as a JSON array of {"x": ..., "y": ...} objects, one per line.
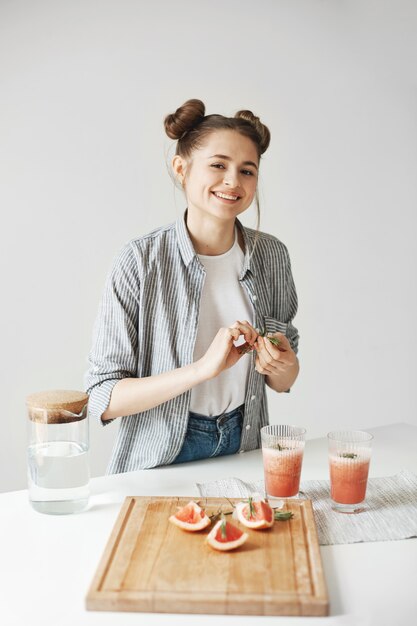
[
  {"x": 256, "y": 515},
  {"x": 191, "y": 517},
  {"x": 224, "y": 536}
]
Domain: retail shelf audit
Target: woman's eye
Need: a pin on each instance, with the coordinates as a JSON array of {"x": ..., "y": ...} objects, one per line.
[{"x": 221, "y": 166}]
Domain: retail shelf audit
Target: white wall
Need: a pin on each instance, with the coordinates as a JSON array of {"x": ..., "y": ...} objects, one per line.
[{"x": 84, "y": 88}]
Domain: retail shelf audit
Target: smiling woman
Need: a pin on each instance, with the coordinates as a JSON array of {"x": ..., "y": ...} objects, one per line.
[
  {"x": 192, "y": 129},
  {"x": 179, "y": 349},
  {"x": 217, "y": 191}
]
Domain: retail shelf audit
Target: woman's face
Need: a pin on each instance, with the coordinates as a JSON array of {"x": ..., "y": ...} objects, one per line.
[{"x": 227, "y": 164}]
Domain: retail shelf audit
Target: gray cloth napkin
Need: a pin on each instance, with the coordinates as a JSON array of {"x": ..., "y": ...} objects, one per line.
[{"x": 390, "y": 509}]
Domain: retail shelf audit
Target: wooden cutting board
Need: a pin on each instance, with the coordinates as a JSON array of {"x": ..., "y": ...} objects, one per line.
[{"x": 150, "y": 565}]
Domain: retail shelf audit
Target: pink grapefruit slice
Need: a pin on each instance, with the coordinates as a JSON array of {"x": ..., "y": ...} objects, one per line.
[
  {"x": 191, "y": 517},
  {"x": 256, "y": 515},
  {"x": 224, "y": 536}
]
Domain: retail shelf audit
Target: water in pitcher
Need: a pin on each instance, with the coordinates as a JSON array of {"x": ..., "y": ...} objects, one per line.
[{"x": 58, "y": 477}]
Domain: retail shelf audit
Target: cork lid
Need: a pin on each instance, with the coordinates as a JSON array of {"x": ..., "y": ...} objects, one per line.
[{"x": 57, "y": 406}]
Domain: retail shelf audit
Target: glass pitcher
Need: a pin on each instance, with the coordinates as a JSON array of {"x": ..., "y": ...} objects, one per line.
[{"x": 58, "y": 451}]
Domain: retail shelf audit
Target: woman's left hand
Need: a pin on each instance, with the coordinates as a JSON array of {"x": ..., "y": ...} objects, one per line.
[{"x": 279, "y": 363}]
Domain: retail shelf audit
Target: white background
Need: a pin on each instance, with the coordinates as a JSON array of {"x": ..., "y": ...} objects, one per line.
[{"x": 84, "y": 88}]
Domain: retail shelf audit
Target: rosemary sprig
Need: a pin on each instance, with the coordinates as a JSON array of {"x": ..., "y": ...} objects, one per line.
[
  {"x": 279, "y": 516},
  {"x": 262, "y": 333},
  {"x": 348, "y": 455},
  {"x": 282, "y": 516},
  {"x": 214, "y": 517},
  {"x": 278, "y": 446},
  {"x": 251, "y": 512},
  {"x": 274, "y": 340}
]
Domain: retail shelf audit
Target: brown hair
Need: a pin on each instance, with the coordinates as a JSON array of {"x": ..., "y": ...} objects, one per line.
[{"x": 190, "y": 126}]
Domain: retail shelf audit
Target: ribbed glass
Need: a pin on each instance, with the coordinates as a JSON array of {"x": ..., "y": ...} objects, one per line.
[
  {"x": 282, "y": 452},
  {"x": 349, "y": 459}
]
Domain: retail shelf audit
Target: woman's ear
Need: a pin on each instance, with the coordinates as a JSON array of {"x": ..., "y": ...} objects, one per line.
[{"x": 179, "y": 167}]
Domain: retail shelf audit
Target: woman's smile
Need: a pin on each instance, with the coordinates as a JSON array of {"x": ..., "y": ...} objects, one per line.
[{"x": 227, "y": 198}]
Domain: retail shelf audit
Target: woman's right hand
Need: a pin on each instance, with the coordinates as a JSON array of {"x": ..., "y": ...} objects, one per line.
[{"x": 222, "y": 353}]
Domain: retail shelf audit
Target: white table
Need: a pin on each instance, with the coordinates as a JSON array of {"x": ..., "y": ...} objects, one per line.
[{"x": 47, "y": 562}]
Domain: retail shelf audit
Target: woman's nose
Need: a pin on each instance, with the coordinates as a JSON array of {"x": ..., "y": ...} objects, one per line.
[{"x": 231, "y": 179}]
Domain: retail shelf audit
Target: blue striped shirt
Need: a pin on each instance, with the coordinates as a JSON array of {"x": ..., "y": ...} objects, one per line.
[{"x": 147, "y": 324}]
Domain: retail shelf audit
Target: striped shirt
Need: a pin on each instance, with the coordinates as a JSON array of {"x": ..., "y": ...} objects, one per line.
[{"x": 147, "y": 324}]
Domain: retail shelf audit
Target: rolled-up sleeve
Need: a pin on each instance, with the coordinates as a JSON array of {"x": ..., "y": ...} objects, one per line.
[
  {"x": 285, "y": 301},
  {"x": 291, "y": 308},
  {"x": 113, "y": 355}
]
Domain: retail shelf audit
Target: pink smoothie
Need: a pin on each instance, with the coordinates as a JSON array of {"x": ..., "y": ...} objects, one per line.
[
  {"x": 348, "y": 479},
  {"x": 282, "y": 470}
]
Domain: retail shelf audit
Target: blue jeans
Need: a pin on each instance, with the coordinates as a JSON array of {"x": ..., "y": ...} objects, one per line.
[{"x": 211, "y": 436}]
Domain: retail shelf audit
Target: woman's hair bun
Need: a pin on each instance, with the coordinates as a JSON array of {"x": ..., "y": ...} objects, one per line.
[
  {"x": 262, "y": 130},
  {"x": 184, "y": 118}
]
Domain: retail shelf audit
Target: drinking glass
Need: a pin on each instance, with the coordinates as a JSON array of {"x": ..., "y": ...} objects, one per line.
[
  {"x": 349, "y": 458},
  {"x": 282, "y": 452}
]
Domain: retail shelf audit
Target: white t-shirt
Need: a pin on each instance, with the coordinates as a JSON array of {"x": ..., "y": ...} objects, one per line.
[{"x": 223, "y": 301}]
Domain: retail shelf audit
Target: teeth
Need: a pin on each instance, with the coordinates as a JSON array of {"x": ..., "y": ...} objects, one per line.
[{"x": 223, "y": 195}]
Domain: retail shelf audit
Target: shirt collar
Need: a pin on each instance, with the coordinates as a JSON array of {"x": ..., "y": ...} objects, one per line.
[
  {"x": 184, "y": 242},
  {"x": 187, "y": 249},
  {"x": 248, "y": 249}
]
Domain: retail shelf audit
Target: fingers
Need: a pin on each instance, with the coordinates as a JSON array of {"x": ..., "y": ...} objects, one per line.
[
  {"x": 233, "y": 333},
  {"x": 279, "y": 348},
  {"x": 244, "y": 348},
  {"x": 262, "y": 366},
  {"x": 266, "y": 358},
  {"x": 270, "y": 358},
  {"x": 246, "y": 329},
  {"x": 270, "y": 353},
  {"x": 283, "y": 341},
  {"x": 267, "y": 350}
]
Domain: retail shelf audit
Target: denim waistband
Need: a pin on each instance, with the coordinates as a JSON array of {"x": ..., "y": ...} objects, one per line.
[{"x": 218, "y": 419}]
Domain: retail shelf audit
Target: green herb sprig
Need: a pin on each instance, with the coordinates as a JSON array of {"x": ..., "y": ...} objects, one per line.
[
  {"x": 282, "y": 516},
  {"x": 251, "y": 512},
  {"x": 278, "y": 446},
  {"x": 274, "y": 340},
  {"x": 219, "y": 514},
  {"x": 262, "y": 333}
]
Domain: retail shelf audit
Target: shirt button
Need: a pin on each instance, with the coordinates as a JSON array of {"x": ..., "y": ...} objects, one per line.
[
  {"x": 253, "y": 397},
  {"x": 255, "y": 298},
  {"x": 247, "y": 426}
]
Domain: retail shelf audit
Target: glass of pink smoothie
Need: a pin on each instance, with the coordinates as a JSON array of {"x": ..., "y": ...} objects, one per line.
[
  {"x": 282, "y": 452},
  {"x": 349, "y": 458}
]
